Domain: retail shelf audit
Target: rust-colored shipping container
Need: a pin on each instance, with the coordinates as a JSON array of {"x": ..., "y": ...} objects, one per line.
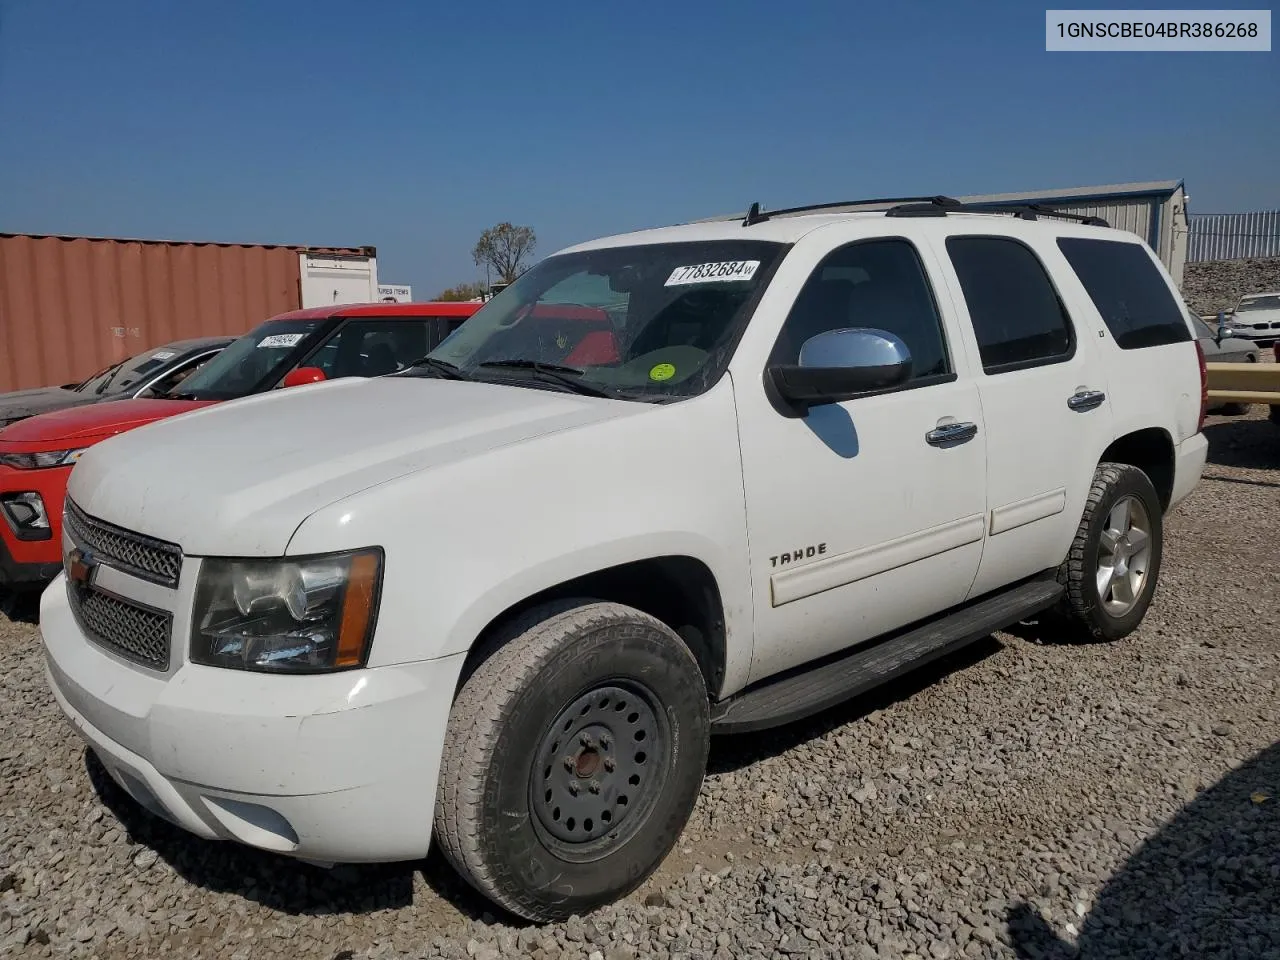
[{"x": 70, "y": 306}]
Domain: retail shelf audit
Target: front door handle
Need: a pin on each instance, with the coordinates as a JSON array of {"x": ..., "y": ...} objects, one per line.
[
  {"x": 951, "y": 434},
  {"x": 1084, "y": 400}
]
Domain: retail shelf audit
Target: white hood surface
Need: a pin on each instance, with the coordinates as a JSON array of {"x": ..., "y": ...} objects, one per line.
[{"x": 237, "y": 479}]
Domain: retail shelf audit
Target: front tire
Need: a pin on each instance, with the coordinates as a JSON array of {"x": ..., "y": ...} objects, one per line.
[
  {"x": 573, "y": 758},
  {"x": 1112, "y": 569}
]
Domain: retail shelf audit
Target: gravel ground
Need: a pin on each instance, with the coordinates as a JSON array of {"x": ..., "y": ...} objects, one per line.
[
  {"x": 1024, "y": 799},
  {"x": 1219, "y": 284}
]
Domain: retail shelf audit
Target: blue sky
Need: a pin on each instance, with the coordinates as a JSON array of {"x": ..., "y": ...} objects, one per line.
[{"x": 414, "y": 125}]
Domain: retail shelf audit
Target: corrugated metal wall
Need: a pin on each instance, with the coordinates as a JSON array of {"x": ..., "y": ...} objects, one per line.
[
  {"x": 72, "y": 305},
  {"x": 1234, "y": 236}
]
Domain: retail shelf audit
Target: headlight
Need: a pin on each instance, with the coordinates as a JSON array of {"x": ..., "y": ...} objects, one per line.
[
  {"x": 38, "y": 461},
  {"x": 304, "y": 615}
]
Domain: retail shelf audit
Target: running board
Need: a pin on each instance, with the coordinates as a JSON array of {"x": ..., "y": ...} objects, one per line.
[{"x": 812, "y": 688}]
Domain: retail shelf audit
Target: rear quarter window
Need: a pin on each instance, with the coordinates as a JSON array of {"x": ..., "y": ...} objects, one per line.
[{"x": 1129, "y": 292}]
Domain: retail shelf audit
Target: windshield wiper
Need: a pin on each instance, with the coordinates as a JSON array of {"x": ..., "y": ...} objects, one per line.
[
  {"x": 556, "y": 373},
  {"x": 440, "y": 366}
]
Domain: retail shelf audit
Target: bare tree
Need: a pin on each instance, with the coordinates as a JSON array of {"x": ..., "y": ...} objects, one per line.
[{"x": 504, "y": 248}]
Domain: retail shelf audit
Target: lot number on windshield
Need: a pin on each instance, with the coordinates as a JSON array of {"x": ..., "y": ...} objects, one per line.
[{"x": 712, "y": 272}]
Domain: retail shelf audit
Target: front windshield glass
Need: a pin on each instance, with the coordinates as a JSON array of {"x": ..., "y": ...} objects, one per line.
[
  {"x": 646, "y": 322},
  {"x": 1259, "y": 303},
  {"x": 249, "y": 363},
  {"x": 125, "y": 374}
]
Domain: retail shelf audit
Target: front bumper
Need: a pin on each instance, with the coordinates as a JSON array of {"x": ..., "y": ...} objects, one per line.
[
  {"x": 333, "y": 767},
  {"x": 33, "y": 562},
  {"x": 16, "y": 573}
]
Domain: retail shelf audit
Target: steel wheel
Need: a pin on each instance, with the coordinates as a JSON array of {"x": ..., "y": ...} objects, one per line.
[
  {"x": 1124, "y": 556},
  {"x": 597, "y": 768}
]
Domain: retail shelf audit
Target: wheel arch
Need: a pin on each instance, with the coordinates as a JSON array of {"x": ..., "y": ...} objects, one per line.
[
  {"x": 1151, "y": 450},
  {"x": 678, "y": 589}
]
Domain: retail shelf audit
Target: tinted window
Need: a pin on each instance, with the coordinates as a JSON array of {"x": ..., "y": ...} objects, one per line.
[
  {"x": 1128, "y": 290},
  {"x": 872, "y": 284},
  {"x": 372, "y": 348},
  {"x": 1017, "y": 316}
]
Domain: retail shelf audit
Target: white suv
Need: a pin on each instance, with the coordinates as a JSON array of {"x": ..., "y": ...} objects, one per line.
[{"x": 503, "y": 599}]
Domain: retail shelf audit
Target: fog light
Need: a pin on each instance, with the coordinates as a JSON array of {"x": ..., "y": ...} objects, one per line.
[{"x": 26, "y": 515}]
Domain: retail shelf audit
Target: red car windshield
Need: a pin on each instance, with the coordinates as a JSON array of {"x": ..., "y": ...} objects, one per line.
[{"x": 251, "y": 363}]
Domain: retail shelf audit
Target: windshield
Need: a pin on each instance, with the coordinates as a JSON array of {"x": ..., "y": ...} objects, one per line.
[
  {"x": 125, "y": 374},
  {"x": 648, "y": 322},
  {"x": 248, "y": 363},
  {"x": 1259, "y": 303}
]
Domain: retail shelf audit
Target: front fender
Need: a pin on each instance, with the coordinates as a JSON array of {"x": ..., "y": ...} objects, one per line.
[{"x": 467, "y": 540}]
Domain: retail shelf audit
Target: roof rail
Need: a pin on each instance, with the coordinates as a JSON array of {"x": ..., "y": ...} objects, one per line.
[
  {"x": 755, "y": 215},
  {"x": 1024, "y": 211}
]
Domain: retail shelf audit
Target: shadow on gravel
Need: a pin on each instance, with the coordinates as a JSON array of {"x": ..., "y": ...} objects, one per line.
[
  {"x": 20, "y": 606},
  {"x": 1207, "y": 885},
  {"x": 734, "y": 751},
  {"x": 281, "y": 883},
  {"x": 1249, "y": 444}
]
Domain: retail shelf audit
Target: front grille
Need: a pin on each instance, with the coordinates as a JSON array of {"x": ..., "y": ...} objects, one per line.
[
  {"x": 138, "y": 633},
  {"x": 144, "y": 557}
]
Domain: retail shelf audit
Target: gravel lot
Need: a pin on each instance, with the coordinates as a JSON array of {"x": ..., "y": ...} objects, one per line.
[{"x": 1022, "y": 800}]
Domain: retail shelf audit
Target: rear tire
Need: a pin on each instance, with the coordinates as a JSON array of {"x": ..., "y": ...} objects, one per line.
[
  {"x": 1112, "y": 569},
  {"x": 573, "y": 758}
]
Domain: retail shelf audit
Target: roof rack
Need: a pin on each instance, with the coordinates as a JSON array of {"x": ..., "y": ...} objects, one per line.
[
  {"x": 935, "y": 206},
  {"x": 754, "y": 215},
  {"x": 1024, "y": 211}
]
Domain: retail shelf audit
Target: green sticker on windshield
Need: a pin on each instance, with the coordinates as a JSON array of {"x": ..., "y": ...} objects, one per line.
[{"x": 663, "y": 371}]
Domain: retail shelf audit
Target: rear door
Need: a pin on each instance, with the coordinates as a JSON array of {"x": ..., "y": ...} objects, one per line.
[
  {"x": 1044, "y": 401},
  {"x": 1145, "y": 339}
]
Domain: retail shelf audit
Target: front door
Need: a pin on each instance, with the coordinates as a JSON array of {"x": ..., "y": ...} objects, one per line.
[
  {"x": 1044, "y": 401},
  {"x": 862, "y": 515}
]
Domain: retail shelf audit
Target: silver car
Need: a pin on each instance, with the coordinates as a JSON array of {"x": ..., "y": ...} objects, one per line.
[
  {"x": 1257, "y": 317},
  {"x": 1224, "y": 346}
]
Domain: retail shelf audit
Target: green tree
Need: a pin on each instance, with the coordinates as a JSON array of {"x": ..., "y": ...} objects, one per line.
[
  {"x": 504, "y": 248},
  {"x": 463, "y": 291}
]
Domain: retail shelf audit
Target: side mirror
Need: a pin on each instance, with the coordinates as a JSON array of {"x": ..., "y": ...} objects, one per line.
[
  {"x": 299, "y": 376},
  {"x": 842, "y": 364}
]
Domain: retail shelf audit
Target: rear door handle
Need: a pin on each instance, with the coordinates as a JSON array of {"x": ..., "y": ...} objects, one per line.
[
  {"x": 1086, "y": 400},
  {"x": 951, "y": 434}
]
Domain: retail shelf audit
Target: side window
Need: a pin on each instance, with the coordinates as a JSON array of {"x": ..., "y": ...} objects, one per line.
[
  {"x": 372, "y": 348},
  {"x": 1128, "y": 290},
  {"x": 1017, "y": 315},
  {"x": 877, "y": 283}
]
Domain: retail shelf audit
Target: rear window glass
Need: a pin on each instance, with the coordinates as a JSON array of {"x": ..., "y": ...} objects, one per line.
[{"x": 1129, "y": 292}]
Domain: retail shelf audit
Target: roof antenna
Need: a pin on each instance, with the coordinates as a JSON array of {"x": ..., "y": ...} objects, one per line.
[{"x": 754, "y": 216}]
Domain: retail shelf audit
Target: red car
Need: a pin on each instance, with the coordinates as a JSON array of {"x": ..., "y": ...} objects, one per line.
[{"x": 303, "y": 346}]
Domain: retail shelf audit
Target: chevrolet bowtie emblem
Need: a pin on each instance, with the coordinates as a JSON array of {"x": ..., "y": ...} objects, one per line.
[{"x": 80, "y": 566}]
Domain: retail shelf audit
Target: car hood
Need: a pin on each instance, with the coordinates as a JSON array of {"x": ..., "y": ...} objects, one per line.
[
  {"x": 28, "y": 403},
  {"x": 238, "y": 479},
  {"x": 95, "y": 421}
]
